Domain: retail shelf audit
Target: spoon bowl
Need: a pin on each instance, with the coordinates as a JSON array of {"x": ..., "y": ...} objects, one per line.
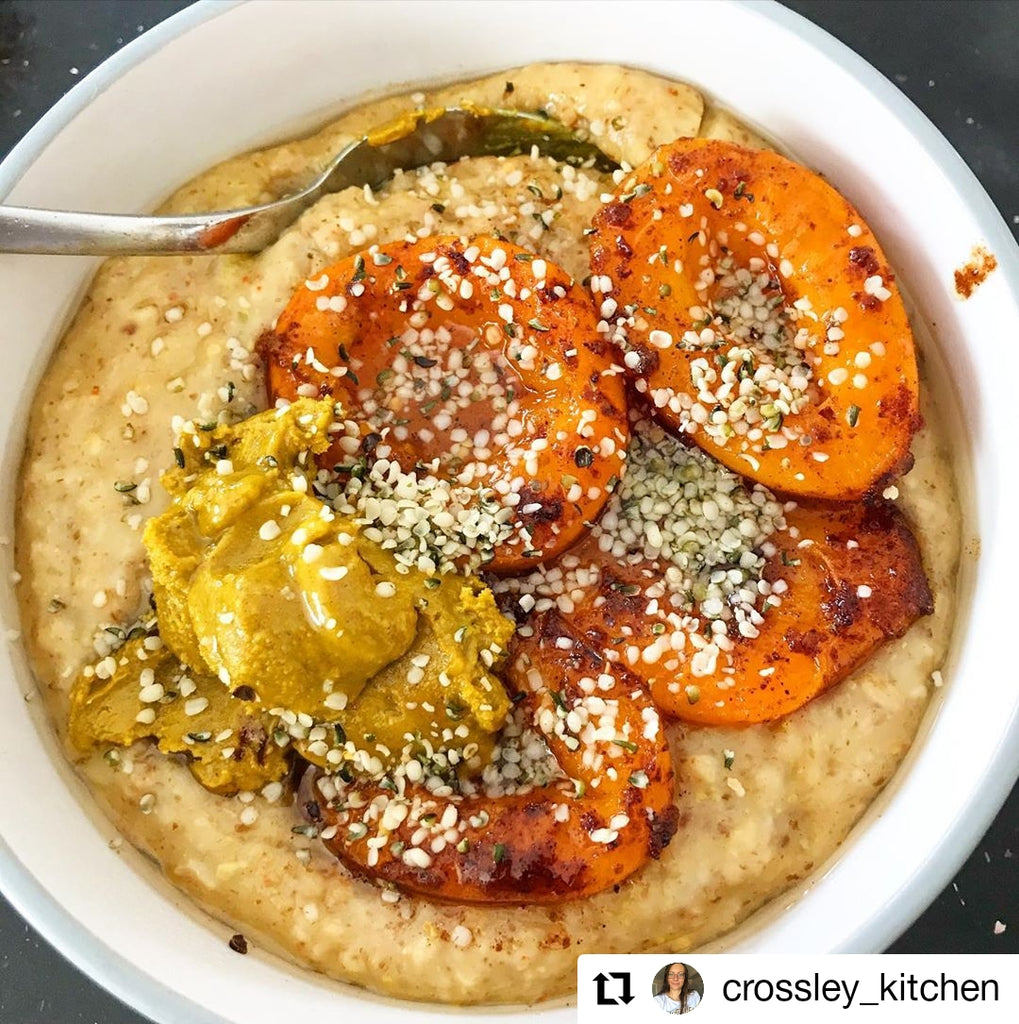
[{"x": 423, "y": 137}]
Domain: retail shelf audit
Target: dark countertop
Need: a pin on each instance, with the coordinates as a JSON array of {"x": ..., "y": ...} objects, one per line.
[{"x": 954, "y": 58}]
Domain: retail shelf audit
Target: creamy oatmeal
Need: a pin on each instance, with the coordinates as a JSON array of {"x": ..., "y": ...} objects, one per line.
[{"x": 160, "y": 342}]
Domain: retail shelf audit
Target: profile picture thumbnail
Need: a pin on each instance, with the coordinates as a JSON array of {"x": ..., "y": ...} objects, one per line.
[{"x": 677, "y": 988}]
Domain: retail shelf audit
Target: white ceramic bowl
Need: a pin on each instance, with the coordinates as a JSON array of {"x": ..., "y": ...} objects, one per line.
[{"x": 170, "y": 105}]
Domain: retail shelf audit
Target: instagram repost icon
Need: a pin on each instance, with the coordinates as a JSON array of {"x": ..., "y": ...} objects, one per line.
[{"x": 677, "y": 988}]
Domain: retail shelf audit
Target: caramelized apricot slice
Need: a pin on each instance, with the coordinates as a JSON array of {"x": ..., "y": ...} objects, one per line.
[
  {"x": 851, "y": 578},
  {"x": 476, "y": 357},
  {"x": 758, "y": 314},
  {"x": 606, "y": 814}
]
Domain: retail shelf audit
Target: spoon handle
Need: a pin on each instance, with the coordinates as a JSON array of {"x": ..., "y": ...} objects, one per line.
[{"x": 62, "y": 232}]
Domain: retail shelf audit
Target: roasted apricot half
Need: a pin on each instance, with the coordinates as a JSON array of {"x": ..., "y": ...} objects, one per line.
[
  {"x": 758, "y": 314},
  {"x": 528, "y": 832},
  {"x": 475, "y": 360},
  {"x": 839, "y": 582}
]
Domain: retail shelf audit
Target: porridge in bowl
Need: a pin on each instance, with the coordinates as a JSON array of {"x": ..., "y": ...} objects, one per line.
[{"x": 388, "y": 593}]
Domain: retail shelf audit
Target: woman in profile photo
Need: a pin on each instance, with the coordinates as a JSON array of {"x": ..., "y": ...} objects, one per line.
[{"x": 676, "y": 993}]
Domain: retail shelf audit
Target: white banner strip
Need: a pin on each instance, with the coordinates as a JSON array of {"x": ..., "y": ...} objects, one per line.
[{"x": 726, "y": 987}]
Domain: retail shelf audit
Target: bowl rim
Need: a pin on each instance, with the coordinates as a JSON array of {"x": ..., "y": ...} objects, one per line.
[{"x": 126, "y": 981}]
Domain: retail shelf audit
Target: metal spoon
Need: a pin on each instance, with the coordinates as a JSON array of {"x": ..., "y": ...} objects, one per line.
[{"x": 424, "y": 137}]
